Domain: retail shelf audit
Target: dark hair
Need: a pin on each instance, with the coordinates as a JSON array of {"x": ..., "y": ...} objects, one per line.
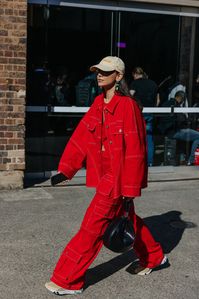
[
  {"x": 139, "y": 71},
  {"x": 123, "y": 90},
  {"x": 180, "y": 93}
]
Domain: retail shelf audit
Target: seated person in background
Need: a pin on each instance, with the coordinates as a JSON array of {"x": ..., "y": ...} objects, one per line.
[
  {"x": 176, "y": 125},
  {"x": 62, "y": 91},
  {"x": 145, "y": 91},
  {"x": 164, "y": 90},
  {"x": 196, "y": 92}
]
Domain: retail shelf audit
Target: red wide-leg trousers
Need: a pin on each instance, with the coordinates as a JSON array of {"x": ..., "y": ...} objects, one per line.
[{"x": 80, "y": 252}]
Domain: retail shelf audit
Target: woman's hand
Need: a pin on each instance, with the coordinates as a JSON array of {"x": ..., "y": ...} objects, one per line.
[
  {"x": 128, "y": 198},
  {"x": 58, "y": 178}
]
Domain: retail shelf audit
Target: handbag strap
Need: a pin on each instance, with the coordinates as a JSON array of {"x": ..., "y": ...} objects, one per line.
[{"x": 127, "y": 206}]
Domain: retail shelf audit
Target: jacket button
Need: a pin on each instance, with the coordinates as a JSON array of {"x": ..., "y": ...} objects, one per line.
[
  {"x": 120, "y": 130},
  {"x": 110, "y": 141},
  {"x": 107, "y": 126}
]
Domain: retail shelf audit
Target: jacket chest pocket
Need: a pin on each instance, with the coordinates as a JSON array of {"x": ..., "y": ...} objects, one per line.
[
  {"x": 93, "y": 128},
  {"x": 117, "y": 134}
]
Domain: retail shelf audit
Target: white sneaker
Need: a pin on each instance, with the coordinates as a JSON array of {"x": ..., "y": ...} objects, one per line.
[
  {"x": 54, "y": 288},
  {"x": 140, "y": 270}
]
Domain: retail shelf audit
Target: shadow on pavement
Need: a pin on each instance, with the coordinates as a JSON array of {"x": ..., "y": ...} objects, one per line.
[
  {"x": 163, "y": 231},
  {"x": 28, "y": 183},
  {"x": 104, "y": 270}
]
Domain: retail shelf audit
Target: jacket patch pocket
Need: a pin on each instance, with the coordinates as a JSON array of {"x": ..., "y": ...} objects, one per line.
[
  {"x": 93, "y": 128},
  {"x": 91, "y": 124},
  {"x": 118, "y": 129},
  {"x": 105, "y": 185},
  {"x": 106, "y": 211},
  {"x": 100, "y": 218},
  {"x": 117, "y": 132},
  {"x": 73, "y": 255},
  {"x": 67, "y": 263}
]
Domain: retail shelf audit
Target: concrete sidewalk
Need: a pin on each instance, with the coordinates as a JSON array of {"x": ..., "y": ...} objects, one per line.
[{"x": 36, "y": 224}]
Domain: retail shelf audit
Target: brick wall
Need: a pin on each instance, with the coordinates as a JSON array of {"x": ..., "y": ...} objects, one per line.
[{"x": 13, "y": 19}]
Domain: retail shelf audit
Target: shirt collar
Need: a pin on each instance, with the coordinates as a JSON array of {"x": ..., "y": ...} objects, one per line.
[{"x": 111, "y": 105}]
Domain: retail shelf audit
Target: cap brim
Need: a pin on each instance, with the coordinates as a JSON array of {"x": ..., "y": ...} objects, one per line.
[{"x": 101, "y": 67}]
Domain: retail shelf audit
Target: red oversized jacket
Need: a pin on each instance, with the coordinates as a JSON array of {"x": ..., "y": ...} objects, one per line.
[{"x": 126, "y": 137}]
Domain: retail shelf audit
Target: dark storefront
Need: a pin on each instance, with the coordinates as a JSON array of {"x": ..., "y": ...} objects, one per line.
[{"x": 64, "y": 39}]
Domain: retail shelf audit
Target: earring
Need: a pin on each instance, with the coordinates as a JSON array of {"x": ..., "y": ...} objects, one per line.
[{"x": 117, "y": 86}]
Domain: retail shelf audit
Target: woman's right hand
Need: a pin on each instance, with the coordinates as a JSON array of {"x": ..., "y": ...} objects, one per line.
[{"x": 57, "y": 178}]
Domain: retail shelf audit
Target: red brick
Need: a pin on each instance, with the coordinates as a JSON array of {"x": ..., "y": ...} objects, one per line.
[
  {"x": 9, "y": 12},
  {"x": 8, "y": 26},
  {"x": 3, "y": 167},
  {"x": 20, "y": 135},
  {"x": 14, "y": 141},
  {"x": 3, "y": 141},
  {"x": 6, "y": 160},
  {"x": 3, "y": 154},
  {"x": 9, "y": 147},
  {"x": 3, "y": 128},
  {"x": 3, "y": 32},
  {"x": 8, "y": 134},
  {"x": 16, "y": 166},
  {"x": 6, "y": 108},
  {"x": 16, "y": 60},
  {"x": 8, "y": 54},
  {"x": 20, "y": 146},
  {"x": 3, "y": 60},
  {"x": 10, "y": 121}
]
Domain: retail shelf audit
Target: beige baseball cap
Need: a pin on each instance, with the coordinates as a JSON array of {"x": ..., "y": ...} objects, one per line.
[{"x": 108, "y": 64}]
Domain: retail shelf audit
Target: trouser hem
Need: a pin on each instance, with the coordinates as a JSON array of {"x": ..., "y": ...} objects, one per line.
[
  {"x": 153, "y": 265},
  {"x": 63, "y": 285}
]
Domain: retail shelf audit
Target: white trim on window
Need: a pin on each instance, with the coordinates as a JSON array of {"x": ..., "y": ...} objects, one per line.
[
  {"x": 75, "y": 109},
  {"x": 131, "y": 6},
  {"x": 135, "y": 7}
]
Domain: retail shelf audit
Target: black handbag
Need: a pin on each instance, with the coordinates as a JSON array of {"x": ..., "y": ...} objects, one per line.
[{"x": 120, "y": 235}]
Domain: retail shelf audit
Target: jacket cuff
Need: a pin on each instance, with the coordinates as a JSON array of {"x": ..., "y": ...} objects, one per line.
[
  {"x": 131, "y": 191},
  {"x": 66, "y": 170}
]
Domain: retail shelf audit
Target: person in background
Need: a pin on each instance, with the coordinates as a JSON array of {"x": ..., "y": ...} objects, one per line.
[
  {"x": 179, "y": 85},
  {"x": 177, "y": 126},
  {"x": 111, "y": 138},
  {"x": 195, "y": 101},
  {"x": 196, "y": 92},
  {"x": 145, "y": 90},
  {"x": 163, "y": 90},
  {"x": 62, "y": 90}
]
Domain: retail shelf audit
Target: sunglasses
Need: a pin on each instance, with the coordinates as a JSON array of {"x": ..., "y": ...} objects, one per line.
[{"x": 104, "y": 73}]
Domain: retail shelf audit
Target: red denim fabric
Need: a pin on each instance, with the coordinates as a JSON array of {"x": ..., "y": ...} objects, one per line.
[
  {"x": 80, "y": 252},
  {"x": 126, "y": 138}
]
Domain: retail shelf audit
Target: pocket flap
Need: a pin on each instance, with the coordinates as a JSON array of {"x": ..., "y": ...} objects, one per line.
[
  {"x": 73, "y": 255},
  {"x": 118, "y": 129},
  {"x": 91, "y": 124},
  {"x": 105, "y": 185},
  {"x": 106, "y": 211}
]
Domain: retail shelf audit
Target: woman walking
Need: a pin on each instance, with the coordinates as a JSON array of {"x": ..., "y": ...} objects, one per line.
[{"x": 111, "y": 138}]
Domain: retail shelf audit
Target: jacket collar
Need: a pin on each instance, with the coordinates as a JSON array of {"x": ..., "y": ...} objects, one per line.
[{"x": 111, "y": 105}]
